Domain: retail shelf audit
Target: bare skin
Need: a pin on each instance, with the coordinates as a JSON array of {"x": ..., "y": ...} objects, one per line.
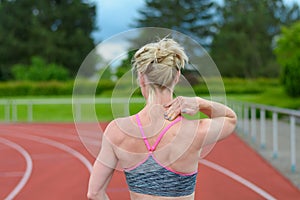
[{"x": 179, "y": 149}]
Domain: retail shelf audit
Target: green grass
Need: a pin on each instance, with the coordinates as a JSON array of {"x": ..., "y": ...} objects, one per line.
[
  {"x": 262, "y": 91},
  {"x": 2, "y": 110},
  {"x": 64, "y": 113},
  {"x": 274, "y": 96}
]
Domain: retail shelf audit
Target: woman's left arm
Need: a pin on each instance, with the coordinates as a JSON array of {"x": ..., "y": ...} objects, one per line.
[{"x": 103, "y": 169}]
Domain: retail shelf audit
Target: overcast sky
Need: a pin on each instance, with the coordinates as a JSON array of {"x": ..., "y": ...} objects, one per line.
[{"x": 115, "y": 16}]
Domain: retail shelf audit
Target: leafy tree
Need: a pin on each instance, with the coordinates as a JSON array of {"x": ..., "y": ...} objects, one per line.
[
  {"x": 125, "y": 65},
  {"x": 105, "y": 73},
  {"x": 57, "y": 31},
  {"x": 38, "y": 70},
  {"x": 195, "y": 18},
  {"x": 288, "y": 55},
  {"x": 244, "y": 45}
]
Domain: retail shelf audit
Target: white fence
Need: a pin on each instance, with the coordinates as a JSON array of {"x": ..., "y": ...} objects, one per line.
[
  {"x": 10, "y": 107},
  {"x": 249, "y": 115}
]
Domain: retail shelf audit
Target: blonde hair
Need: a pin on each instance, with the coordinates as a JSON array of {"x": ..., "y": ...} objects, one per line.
[{"x": 160, "y": 63}]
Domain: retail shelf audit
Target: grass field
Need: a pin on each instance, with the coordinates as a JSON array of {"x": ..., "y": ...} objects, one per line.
[
  {"x": 274, "y": 96},
  {"x": 262, "y": 91},
  {"x": 64, "y": 113}
]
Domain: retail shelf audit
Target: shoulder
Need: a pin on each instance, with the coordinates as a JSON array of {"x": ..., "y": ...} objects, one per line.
[
  {"x": 118, "y": 128},
  {"x": 192, "y": 128},
  {"x": 197, "y": 129},
  {"x": 203, "y": 126}
]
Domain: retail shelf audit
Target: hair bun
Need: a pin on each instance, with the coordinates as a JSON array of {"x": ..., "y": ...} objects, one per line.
[
  {"x": 166, "y": 52},
  {"x": 160, "y": 62}
]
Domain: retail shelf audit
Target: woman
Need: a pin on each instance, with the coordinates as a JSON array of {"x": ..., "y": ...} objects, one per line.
[{"x": 158, "y": 148}]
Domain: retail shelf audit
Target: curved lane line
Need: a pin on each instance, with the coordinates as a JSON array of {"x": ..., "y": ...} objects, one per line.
[
  {"x": 27, "y": 172},
  {"x": 88, "y": 165},
  {"x": 73, "y": 138},
  {"x": 61, "y": 146},
  {"x": 89, "y": 140},
  {"x": 228, "y": 173},
  {"x": 11, "y": 174},
  {"x": 237, "y": 178}
]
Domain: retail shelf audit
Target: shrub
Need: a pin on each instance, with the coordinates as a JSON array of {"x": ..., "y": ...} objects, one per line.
[
  {"x": 105, "y": 85},
  {"x": 288, "y": 55},
  {"x": 235, "y": 86},
  {"x": 49, "y": 88},
  {"x": 291, "y": 78},
  {"x": 26, "y": 88},
  {"x": 39, "y": 70}
]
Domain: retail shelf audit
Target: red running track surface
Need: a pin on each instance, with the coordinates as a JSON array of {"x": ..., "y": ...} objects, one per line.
[{"x": 61, "y": 166}]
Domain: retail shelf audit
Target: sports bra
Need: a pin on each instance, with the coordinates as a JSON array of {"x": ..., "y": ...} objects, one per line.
[{"x": 153, "y": 178}]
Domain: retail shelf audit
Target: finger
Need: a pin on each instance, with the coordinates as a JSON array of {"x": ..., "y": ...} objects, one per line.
[
  {"x": 184, "y": 110},
  {"x": 172, "y": 109},
  {"x": 187, "y": 111},
  {"x": 178, "y": 99},
  {"x": 173, "y": 116},
  {"x": 170, "y": 103},
  {"x": 167, "y": 105}
]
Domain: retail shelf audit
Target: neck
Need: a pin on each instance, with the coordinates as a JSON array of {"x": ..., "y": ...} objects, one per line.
[
  {"x": 160, "y": 97},
  {"x": 154, "y": 107}
]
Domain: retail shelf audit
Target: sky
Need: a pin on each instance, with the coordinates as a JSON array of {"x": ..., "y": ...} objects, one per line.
[{"x": 115, "y": 16}]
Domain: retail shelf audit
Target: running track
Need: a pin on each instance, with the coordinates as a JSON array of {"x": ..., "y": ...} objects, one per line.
[{"x": 48, "y": 161}]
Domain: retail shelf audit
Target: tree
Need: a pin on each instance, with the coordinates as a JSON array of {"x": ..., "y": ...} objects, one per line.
[
  {"x": 57, "y": 31},
  {"x": 244, "y": 45},
  {"x": 192, "y": 17},
  {"x": 288, "y": 55},
  {"x": 38, "y": 70},
  {"x": 125, "y": 65}
]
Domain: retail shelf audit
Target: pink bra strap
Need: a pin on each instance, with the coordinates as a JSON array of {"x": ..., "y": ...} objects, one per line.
[
  {"x": 142, "y": 132},
  {"x": 160, "y": 135},
  {"x": 163, "y": 132}
]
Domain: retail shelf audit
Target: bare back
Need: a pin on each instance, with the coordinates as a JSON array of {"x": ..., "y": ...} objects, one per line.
[{"x": 179, "y": 148}]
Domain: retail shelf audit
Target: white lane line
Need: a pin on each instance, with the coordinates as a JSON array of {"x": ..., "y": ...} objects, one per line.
[
  {"x": 237, "y": 178},
  {"x": 73, "y": 138},
  {"x": 50, "y": 156},
  {"x": 11, "y": 174},
  {"x": 89, "y": 140},
  {"x": 61, "y": 146},
  {"x": 27, "y": 172}
]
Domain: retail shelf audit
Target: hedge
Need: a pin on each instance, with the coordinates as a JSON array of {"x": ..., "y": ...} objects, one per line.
[
  {"x": 236, "y": 86},
  {"x": 105, "y": 87},
  {"x": 26, "y": 88}
]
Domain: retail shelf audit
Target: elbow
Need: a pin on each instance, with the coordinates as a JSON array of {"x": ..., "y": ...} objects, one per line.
[
  {"x": 233, "y": 122},
  {"x": 232, "y": 117},
  {"x": 230, "y": 125},
  {"x": 96, "y": 196},
  {"x": 91, "y": 196}
]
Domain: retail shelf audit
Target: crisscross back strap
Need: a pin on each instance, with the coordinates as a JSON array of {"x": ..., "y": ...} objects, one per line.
[
  {"x": 142, "y": 132},
  {"x": 163, "y": 132}
]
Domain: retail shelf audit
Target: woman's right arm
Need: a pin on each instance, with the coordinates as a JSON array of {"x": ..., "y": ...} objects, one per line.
[{"x": 220, "y": 123}]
